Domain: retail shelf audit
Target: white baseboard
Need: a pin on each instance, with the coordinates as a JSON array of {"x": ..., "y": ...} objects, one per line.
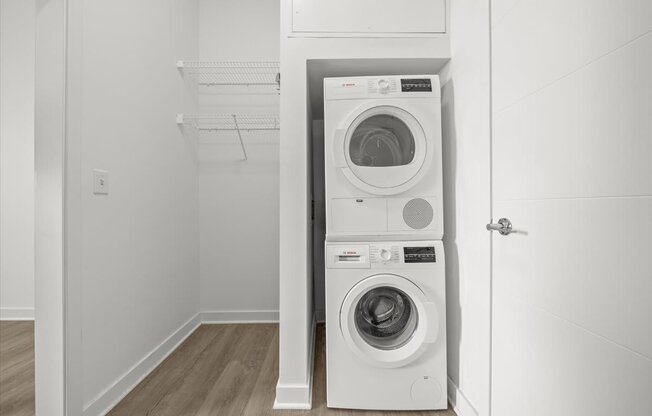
[
  {"x": 461, "y": 404},
  {"x": 16, "y": 314},
  {"x": 103, "y": 403},
  {"x": 229, "y": 317},
  {"x": 299, "y": 396}
]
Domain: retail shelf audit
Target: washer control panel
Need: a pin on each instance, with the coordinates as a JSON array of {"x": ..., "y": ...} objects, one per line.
[
  {"x": 419, "y": 254},
  {"x": 381, "y": 255},
  {"x": 384, "y": 254}
]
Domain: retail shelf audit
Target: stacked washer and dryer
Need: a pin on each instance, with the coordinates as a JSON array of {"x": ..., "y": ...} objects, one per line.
[{"x": 385, "y": 274}]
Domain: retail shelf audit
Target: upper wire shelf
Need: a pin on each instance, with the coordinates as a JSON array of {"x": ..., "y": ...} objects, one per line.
[{"x": 213, "y": 73}]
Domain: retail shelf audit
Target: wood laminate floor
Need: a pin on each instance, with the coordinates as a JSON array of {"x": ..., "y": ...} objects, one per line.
[
  {"x": 219, "y": 370},
  {"x": 16, "y": 368},
  {"x": 229, "y": 370}
]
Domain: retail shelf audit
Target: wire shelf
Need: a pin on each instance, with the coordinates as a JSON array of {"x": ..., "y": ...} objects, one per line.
[
  {"x": 213, "y": 73},
  {"x": 230, "y": 122}
]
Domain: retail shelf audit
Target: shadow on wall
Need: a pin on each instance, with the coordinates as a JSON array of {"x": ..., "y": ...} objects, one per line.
[
  {"x": 449, "y": 156},
  {"x": 319, "y": 221}
]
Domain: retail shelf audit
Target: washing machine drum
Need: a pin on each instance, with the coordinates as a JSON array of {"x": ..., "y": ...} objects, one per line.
[
  {"x": 388, "y": 321},
  {"x": 386, "y": 318}
]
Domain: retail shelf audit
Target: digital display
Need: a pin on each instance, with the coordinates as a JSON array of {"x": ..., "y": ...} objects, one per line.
[
  {"x": 416, "y": 85},
  {"x": 419, "y": 254}
]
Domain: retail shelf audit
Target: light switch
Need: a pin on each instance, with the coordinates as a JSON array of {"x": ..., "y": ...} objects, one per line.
[{"x": 100, "y": 182}]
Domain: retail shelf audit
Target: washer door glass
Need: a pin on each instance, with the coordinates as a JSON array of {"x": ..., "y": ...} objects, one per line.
[
  {"x": 380, "y": 141},
  {"x": 386, "y": 318}
]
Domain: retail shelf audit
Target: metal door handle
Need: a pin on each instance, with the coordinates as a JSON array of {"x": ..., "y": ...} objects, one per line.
[{"x": 504, "y": 226}]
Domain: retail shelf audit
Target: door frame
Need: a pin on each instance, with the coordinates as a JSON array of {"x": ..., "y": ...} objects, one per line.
[{"x": 58, "y": 370}]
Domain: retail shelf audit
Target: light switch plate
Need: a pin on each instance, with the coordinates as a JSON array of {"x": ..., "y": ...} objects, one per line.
[{"x": 100, "y": 182}]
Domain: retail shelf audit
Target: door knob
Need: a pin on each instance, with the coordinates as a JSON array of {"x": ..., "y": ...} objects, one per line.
[{"x": 504, "y": 226}]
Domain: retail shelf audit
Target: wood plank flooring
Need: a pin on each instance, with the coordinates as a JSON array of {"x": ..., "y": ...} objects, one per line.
[
  {"x": 219, "y": 370},
  {"x": 16, "y": 368},
  {"x": 229, "y": 370}
]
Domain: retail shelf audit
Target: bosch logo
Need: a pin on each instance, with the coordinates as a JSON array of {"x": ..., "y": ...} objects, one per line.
[{"x": 351, "y": 84}]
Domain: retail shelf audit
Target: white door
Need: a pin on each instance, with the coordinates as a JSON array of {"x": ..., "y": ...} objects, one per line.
[
  {"x": 572, "y": 170},
  {"x": 388, "y": 321},
  {"x": 385, "y": 150}
]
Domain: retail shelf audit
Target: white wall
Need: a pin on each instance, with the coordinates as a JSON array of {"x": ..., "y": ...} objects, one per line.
[
  {"x": 138, "y": 246},
  {"x": 466, "y": 150},
  {"x": 17, "y": 52},
  {"x": 239, "y": 200}
]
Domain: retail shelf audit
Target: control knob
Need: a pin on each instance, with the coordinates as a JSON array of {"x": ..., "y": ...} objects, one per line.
[{"x": 385, "y": 254}]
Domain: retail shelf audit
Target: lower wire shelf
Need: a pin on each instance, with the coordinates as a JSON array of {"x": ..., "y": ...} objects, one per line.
[{"x": 230, "y": 122}]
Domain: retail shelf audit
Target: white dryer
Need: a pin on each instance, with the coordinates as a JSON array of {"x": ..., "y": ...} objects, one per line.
[
  {"x": 386, "y": 325},
  {"x": 383, "y": 163}
]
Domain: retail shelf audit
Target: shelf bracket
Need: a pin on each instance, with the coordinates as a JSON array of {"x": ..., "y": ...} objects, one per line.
[{"x": 235, "y": 121}]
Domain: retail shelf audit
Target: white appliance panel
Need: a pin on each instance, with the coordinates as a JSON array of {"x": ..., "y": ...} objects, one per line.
[{"x": 369, "y": 16}]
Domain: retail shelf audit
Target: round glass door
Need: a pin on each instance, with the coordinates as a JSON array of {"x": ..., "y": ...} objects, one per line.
[
  {"x": 386, "y": 317},
  {"x": 387, "y": 320},
  {"x": 380, "y": 141},
  {"x": 385, "y": 150}
]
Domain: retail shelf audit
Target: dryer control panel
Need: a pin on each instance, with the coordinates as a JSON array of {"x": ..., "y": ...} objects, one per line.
[{"x": 389, "y": 86}]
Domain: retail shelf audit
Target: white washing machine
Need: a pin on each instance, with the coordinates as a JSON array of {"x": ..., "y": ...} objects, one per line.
[
  {"x": 386, "y": 325},
  {"x": 383, "y": 162}
]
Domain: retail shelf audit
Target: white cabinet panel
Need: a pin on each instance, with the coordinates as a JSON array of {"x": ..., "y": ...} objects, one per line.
[
  {"x": 359, "y": 215},
  {"x": 369, "y": 16}
]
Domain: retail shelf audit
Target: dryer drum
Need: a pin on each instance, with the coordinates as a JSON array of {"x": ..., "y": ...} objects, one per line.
[
  {"x": 382, "y": 141},
  {"x": 385, "y": 317},
  {"x": 371, "y": 152}
]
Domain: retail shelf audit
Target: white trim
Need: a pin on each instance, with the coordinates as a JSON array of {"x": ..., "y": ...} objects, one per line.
[
  {"x": 230, "y": 317},
  {"x": 16, "y": 314},
  {"x": 299, "y": 396},
  {"x": 110, "y": 397},
  {"x": 461, "y": 404}
]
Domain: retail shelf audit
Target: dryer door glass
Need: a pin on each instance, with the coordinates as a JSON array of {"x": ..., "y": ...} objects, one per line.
[
  {"x": 382, "y": 140},
  {"x": 385, "y": 150},
  {"x": 386, "y": 318}
]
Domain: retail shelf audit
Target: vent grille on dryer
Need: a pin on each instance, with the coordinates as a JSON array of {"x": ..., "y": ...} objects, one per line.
[{"x": 418, "y": 213}]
